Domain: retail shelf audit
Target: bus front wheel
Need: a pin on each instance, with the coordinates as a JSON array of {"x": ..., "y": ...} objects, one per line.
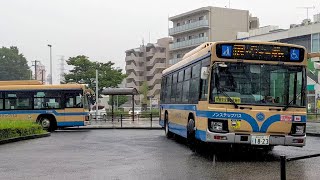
[{"x": 47, "y": 123}]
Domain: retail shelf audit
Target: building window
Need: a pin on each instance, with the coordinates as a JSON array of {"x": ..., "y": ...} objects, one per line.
[
  {"x": 179, "y": 56},
  {"x": 178, "y": 24},
  {"x": 201, "y": 35},
  {"x": 190, "y": 37},
  {"x": 315, "y": 43},
  {"x": 178, "y": 39},
  {"x": 201, "y": 18}
]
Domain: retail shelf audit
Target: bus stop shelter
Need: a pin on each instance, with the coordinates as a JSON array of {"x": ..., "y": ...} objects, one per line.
[{"x": 120, "y": 91}]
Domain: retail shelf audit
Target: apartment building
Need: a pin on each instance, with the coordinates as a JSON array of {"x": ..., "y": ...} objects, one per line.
[
  {"x": 195, "y": 27},
  {"x": 145, "y": 64}
]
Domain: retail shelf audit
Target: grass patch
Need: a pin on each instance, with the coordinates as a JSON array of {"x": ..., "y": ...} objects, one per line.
[{"x": 18, "y": 128}]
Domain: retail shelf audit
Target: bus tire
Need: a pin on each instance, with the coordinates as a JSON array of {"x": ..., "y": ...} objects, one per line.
[
  {"x": 47, "y": 123},
  {"x": 166, "y": 126},
  {"x": 191, "y": 134}
]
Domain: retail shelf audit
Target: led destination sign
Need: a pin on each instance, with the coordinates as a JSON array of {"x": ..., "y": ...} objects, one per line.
[{"x": 260, "y": 52}]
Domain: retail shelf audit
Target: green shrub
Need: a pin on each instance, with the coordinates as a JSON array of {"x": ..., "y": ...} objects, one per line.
[{"x": 18, "y": 128}]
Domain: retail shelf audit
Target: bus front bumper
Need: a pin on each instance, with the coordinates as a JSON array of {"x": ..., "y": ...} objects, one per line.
[{"x": 285, "y": 140}]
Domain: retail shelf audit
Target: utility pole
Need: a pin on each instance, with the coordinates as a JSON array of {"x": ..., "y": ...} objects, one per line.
[
  {"x": 35, "y": 68},
  {"x": 97, "y": 95},
  {"x": 307, "y": 8},
  {"x": 42, "y": 76}
]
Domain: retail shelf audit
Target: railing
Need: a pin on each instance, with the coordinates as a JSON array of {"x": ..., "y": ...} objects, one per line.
[
  {"x": 283, "y": 160},
  {"x": 189, "y": 27},
  {"x": 313, "y": 117},
  {"x": 188, "y": 43},
  {"x": 125, "y": 120}
]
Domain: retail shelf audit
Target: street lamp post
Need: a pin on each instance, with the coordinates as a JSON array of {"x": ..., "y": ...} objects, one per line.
[
  {"x": 97, "y": 93},
  {"x": 50, "y": 63}
]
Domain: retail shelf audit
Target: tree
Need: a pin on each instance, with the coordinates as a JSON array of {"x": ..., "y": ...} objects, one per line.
[
  {"x": 121, "y": 100},
  {"x": 14, "y": 65},
  {"x": 84, "y": 71},
  {"x": 144, "y": 89}
]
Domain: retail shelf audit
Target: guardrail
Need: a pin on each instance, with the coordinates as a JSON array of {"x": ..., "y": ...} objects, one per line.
[
  {"x": 125, "y": 120},
  {"x": 283, "y": 161}
]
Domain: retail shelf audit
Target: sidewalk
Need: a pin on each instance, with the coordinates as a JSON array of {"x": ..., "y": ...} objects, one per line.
[{"x": 313, "y": 128}]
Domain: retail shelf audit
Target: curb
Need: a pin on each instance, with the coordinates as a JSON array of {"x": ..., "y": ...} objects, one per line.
[
  {"x": 97, "y": 128},
  {"x": 313, "y": 134},
  {"x": 11, "y": 140}
]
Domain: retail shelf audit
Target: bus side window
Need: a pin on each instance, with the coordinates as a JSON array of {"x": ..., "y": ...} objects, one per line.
[
  {"x": 204, "y": 89},
  {"x": 204, "y": 82}
]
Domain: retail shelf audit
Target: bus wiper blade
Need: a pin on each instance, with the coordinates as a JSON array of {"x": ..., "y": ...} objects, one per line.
[
  {"x": 230, "y": 99},
  {"x": 287, "y": 106}
]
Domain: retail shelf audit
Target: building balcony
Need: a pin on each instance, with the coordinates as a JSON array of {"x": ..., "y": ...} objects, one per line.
[
  {"x": 158, "y": 66},
  {"x": 134, "y": 68},
  {"x": 188, "y": 43},
  {"x": 133, "y": 58},
  {"x": 202, "y": 24}
]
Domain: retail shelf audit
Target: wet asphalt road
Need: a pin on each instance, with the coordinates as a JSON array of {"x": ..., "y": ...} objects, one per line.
[{"x": 142, "y": 154}]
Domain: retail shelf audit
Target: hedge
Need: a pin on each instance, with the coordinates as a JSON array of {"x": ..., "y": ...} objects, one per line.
[{"x": 18, "y": 128}]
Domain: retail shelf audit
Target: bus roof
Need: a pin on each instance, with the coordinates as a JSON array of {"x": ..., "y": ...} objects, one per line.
[
  {"x": 206, "y": 48},
  {"x": 201, "y": 50},
  {"x": 43, "y": 87},
  {"x": 20, "y": 82}
]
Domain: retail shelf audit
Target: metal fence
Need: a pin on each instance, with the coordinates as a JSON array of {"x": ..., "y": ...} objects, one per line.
[
  {"x": 125, "y": 120},
  {"x": 313, "y": 117},
  {"x": 284, "y": 160}
]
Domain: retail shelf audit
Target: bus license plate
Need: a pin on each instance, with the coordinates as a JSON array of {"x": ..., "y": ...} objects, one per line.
[{"x": 260, "y": 140}]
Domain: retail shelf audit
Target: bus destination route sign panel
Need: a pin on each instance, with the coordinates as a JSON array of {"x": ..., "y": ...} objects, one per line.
[{"x": 260, "y": 52}]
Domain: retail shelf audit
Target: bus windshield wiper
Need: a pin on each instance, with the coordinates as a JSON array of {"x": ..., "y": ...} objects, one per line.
[
  {"x": 225, "y": 94},
  {"x": 287, "y": 106}
]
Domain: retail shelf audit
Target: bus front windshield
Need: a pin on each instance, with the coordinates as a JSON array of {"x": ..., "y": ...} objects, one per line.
[{"x": 258, "y": 84}]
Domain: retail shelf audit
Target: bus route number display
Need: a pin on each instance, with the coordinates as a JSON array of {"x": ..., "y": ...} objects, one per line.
[{"x": 260, "y": 52}]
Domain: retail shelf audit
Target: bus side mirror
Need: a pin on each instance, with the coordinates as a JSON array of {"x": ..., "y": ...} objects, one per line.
[{"x": 204, "y": 73}]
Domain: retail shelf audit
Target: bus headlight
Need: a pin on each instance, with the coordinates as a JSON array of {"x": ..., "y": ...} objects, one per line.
[
  {"x": 299, "y": 129},
  {"x": 218, "y": 125}
]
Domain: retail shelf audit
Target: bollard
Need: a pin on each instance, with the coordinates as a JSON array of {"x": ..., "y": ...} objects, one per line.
[
  {"x": 151, "y": 119},
  {"x": 283, "y": 167},
  {"x": 121, "y": 120}
]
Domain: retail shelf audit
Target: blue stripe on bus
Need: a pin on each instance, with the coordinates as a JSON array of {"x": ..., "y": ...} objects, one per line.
[
  {"x": 182, "y": 130},
  {"x": 45, "y": 112},
  {"x": 276, "y": 118},
  {"x": 69, "y": 124},
  {"x": 201, "y": 135},
  {"x": 180, "y": 107},
  {"x": 231, "y": 115},
  {"x": 178, "y": 129}
]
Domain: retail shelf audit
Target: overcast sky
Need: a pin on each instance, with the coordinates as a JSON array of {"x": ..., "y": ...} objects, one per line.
[{"x": 104, "y": 29}]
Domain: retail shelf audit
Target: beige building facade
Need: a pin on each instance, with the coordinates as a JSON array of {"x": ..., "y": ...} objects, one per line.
[
  {"x": 145, "y": 64},
  {"x": 205, "y": 24}
]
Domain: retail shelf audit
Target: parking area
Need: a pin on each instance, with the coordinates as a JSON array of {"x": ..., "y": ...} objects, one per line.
[{"x": 142, "y": 154}]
